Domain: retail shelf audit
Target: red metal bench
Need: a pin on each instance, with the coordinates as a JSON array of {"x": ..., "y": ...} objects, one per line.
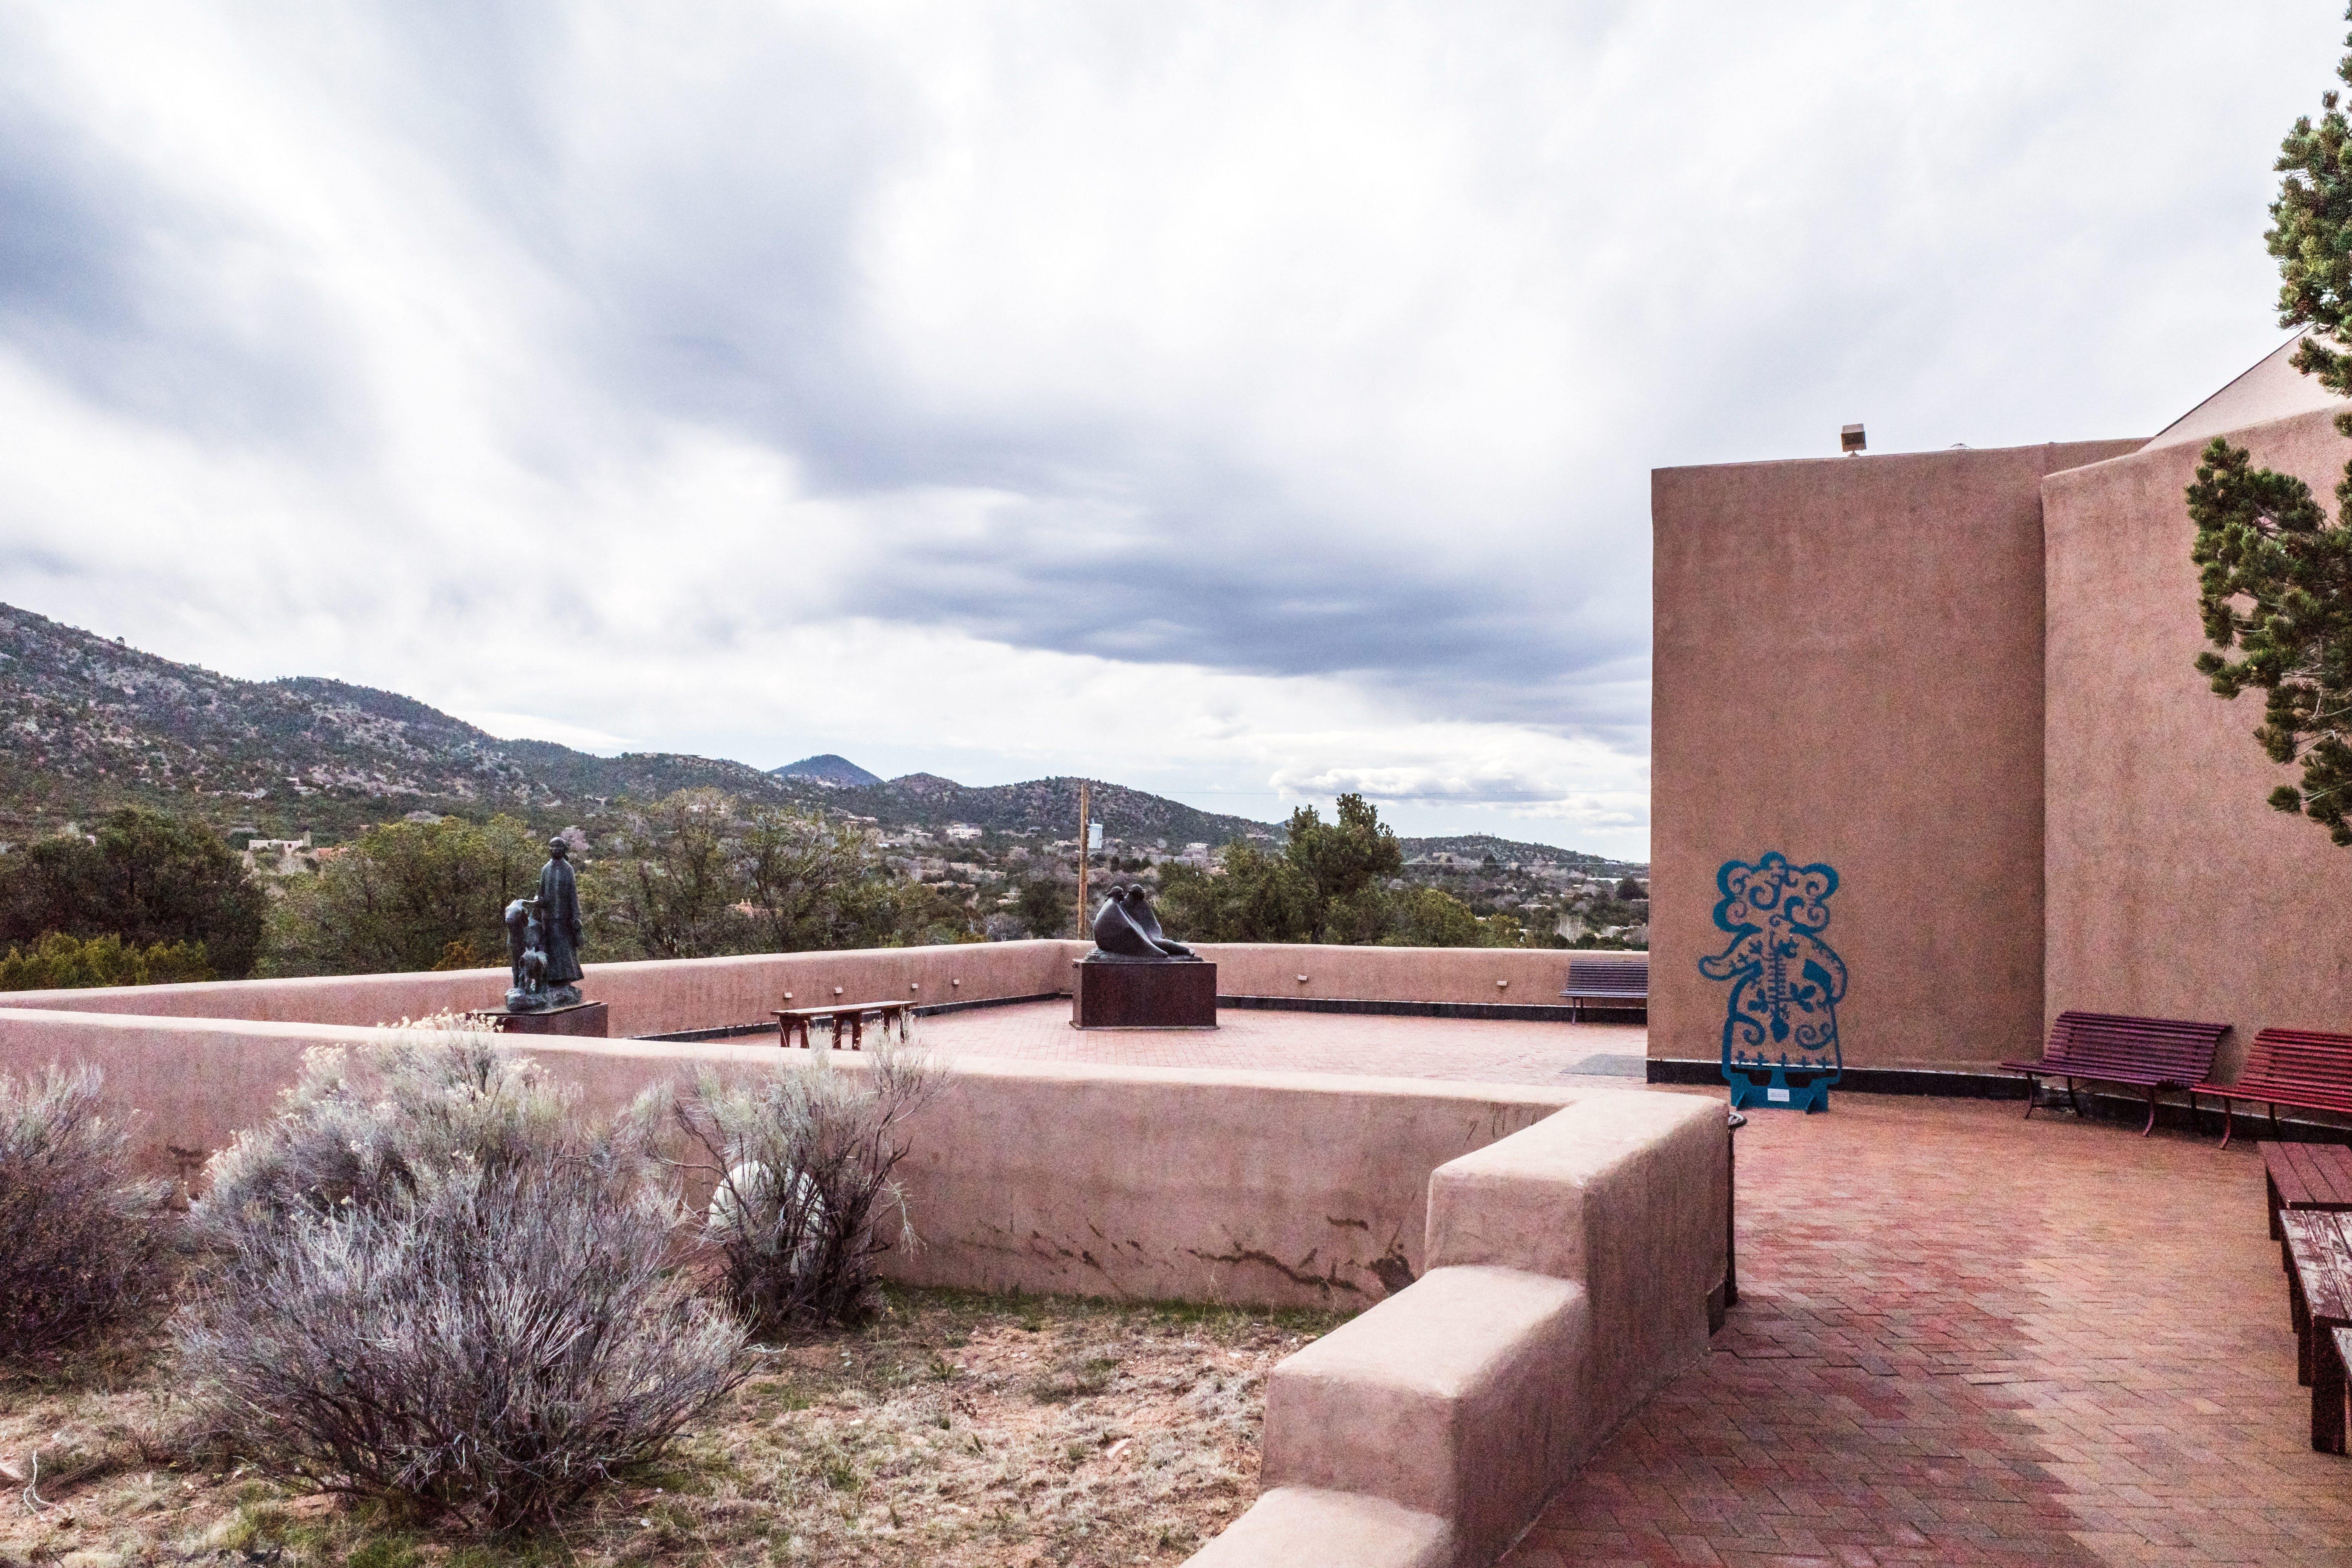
[
  {"x": 2300, "y": 1068},
  {"x": 2108, "y": 1047}
]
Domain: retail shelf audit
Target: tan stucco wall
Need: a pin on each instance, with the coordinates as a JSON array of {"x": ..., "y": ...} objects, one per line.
[
  {"x": 678, "y": 995},
  {"x": 1276, "y": 1188},
  {"x": 2173, "y": 888},
  {"x": 1848, "y": 667},
  {"x": 654, "y": 997}
]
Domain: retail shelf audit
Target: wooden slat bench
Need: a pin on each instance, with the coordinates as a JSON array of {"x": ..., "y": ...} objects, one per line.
[
  {"x": 854, "y": 1013},
  {"x": 1615, "y": 983},
  {"x": 2298, "y": 1068},
  {"x": 2319, "y": 1287},
  {"x": 2109, "y": 1047},
  {"x": 2304, "y": 1176}
]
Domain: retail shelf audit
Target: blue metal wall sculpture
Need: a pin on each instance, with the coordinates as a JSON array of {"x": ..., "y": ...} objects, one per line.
[{"x": 1779, "y": 1033}]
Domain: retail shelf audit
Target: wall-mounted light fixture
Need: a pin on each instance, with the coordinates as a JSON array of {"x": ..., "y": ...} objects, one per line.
[{"x": 1849, "y": 439}]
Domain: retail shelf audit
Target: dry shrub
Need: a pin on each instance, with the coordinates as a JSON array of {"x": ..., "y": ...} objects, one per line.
[
  {"x": 439, "y": 1286},
  {"x": 803, "y": 1200},
  {"x": 80, "y": 1242}
]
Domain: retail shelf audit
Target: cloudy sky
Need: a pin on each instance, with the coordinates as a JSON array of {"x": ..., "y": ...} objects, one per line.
[{"x": 1244, "y": 402}]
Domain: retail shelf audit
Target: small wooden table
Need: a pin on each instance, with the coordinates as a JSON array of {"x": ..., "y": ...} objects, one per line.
[
  {"x": 854, "y": 1013},
  {"x": 2306, "y": 1176},
  {"x": 2319, "y": 1296}
]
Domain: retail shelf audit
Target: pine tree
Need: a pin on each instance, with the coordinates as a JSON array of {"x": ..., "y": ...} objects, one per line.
[{"x": 2275, "y": 573}]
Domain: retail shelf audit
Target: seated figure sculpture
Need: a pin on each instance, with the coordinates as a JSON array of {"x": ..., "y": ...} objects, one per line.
[{"x": 1126, "y": 932}]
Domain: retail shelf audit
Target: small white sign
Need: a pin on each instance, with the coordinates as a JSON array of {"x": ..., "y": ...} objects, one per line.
[
  {"x": 1776, "y": 1096},
  {"x": 1094, "y": 835}
]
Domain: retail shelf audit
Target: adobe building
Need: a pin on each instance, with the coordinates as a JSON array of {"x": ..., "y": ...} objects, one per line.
[{"x": 1965, "y": 680}]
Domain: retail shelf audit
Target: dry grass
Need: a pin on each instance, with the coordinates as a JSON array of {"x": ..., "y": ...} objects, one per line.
[{"x": 956, "y": 1430}]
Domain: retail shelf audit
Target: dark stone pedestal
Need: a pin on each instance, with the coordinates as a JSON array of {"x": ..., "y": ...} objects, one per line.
[
  {"x": 1144, "y": 995},
  {"x": 580, "y": 1018}
]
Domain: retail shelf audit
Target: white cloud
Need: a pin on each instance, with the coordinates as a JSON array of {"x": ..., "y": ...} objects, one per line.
[{"x": 1247, "y": 400}]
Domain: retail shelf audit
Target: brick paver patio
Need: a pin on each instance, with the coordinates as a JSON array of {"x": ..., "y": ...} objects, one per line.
[
  {"x": 1963, "y": 1337},
  {"x": 1493, "y": 1050},
  {"x": 1966, "y": 1338}
]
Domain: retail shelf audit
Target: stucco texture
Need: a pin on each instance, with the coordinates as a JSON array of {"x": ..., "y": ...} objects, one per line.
[
  {"x": 1848, "y": 667},
  {"x": 2174, "y": 889}
]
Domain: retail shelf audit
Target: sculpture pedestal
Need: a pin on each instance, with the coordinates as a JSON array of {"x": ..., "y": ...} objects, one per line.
[
  {"x": 1143, "y": 996},
  {"x": 580, "y": 1018}
]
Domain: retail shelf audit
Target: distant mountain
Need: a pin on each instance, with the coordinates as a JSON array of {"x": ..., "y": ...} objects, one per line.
[
  {"x": 1479, "y": 846},
  {"x": 1050, "y": 806},
  {"x": 90, "y": 724},
  {"x": 828, "y": 769}
]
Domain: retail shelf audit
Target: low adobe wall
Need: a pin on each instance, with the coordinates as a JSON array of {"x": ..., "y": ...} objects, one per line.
[
  {"x": 650, "y": 997},
  {"x": 1487, "y": 976},
  {"x": 675, "y": 996},
  {"x": 1265, "y": 1188}
]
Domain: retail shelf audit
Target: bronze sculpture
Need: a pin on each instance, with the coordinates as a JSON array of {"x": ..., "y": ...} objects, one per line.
[
  {"x": 543, "y": 939},
  {"x": 1126, "y": 932},
  {"x": 559, "y": 921}
]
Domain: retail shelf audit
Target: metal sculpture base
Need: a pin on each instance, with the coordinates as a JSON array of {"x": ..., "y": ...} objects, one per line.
[
  {"x": 1810, "y": 1093},
  {"x": 584, "y": 1018},
  {"x": 1113, "y": 995}
]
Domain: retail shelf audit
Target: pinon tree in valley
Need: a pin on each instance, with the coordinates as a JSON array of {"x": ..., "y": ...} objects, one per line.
[{"x": 2275, "y": 571}]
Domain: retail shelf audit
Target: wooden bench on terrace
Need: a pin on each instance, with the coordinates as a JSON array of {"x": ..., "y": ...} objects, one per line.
[
  {"x": 2108, "y": 1047},
  {"x": 1618, "y": 984},
  {"x": 853, "y": 1014},
  {"x": 2319, "y": 1302},
  {"x": 2298, "y": 1068}
]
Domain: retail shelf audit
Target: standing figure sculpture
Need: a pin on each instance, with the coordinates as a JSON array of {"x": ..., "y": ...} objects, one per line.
[
  {"x": 559, "y": 925},
  {"x": 1780, "y": 1030}
]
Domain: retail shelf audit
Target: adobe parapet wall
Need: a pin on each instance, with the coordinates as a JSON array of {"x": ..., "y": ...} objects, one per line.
[{"x": 677, "y": 995}]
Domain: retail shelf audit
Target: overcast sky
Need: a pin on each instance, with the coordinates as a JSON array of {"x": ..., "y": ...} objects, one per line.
[{"x": 1245, "y": 403}]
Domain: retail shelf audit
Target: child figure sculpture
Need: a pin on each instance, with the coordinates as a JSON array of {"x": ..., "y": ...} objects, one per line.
[{"x": 1780, "y": 1032}]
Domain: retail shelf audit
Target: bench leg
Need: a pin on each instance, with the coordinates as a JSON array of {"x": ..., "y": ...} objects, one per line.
[
  {"x": 2151, "y": 1114},
  {"x": 2326, "y": 1396},
  {"x": 2270, "y": 1186},
  {"x": 2073, "y": 1103},
  {"x": 2229, "y": 1125},
  {"x": 2032, "y": 1093},
  {"x": 2300, "y": 1314}
]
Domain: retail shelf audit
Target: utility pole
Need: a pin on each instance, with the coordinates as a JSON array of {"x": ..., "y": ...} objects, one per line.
[{"x": 1082, "y": 859}]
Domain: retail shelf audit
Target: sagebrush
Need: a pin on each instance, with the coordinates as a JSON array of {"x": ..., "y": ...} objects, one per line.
[
  {"x": 81, "y": 1241},
  {"x": 438, "y": 1285},
  {"x": 799, "y": 1164}
]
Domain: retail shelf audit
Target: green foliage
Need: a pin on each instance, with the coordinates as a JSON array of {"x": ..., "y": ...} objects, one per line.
[
  {"x": 1251, "y": 896},
  {"x": 2275, "y": 573},
  {"x": 148, "y": 879},
  {"x": 1344, "y": 859},
  {"x": 692, "y": 877},
  {"x": 667, "y": 889},
  {"x": 398, "y": 898},
  {"x": 1044, "y": 908},
  {"x": 814, "y": 882},
  {"x": 1329, "y": 884},
  {"x": 1431, "y": 917},
  {"x": 2311, "y": 236},
  {"x": 59, "y": 962}
]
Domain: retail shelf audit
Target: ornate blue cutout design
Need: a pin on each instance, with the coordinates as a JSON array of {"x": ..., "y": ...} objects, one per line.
[{"x": 1779, "y": 1033}]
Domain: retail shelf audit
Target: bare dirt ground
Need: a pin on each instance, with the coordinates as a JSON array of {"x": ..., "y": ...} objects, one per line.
[{"x": 957, "y": 1430}]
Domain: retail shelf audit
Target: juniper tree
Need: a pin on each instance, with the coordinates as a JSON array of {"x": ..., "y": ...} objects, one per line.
[{"x": 2275, "y": 573}]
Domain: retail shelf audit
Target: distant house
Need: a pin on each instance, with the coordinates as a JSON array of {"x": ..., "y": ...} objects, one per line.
[{"x": 963, "y": 830}]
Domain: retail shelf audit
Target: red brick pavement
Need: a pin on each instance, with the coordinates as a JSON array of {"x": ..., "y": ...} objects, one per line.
[
  {"x": 1493, "y": 1050},
  {"x": 1966, "y": 1338}
]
